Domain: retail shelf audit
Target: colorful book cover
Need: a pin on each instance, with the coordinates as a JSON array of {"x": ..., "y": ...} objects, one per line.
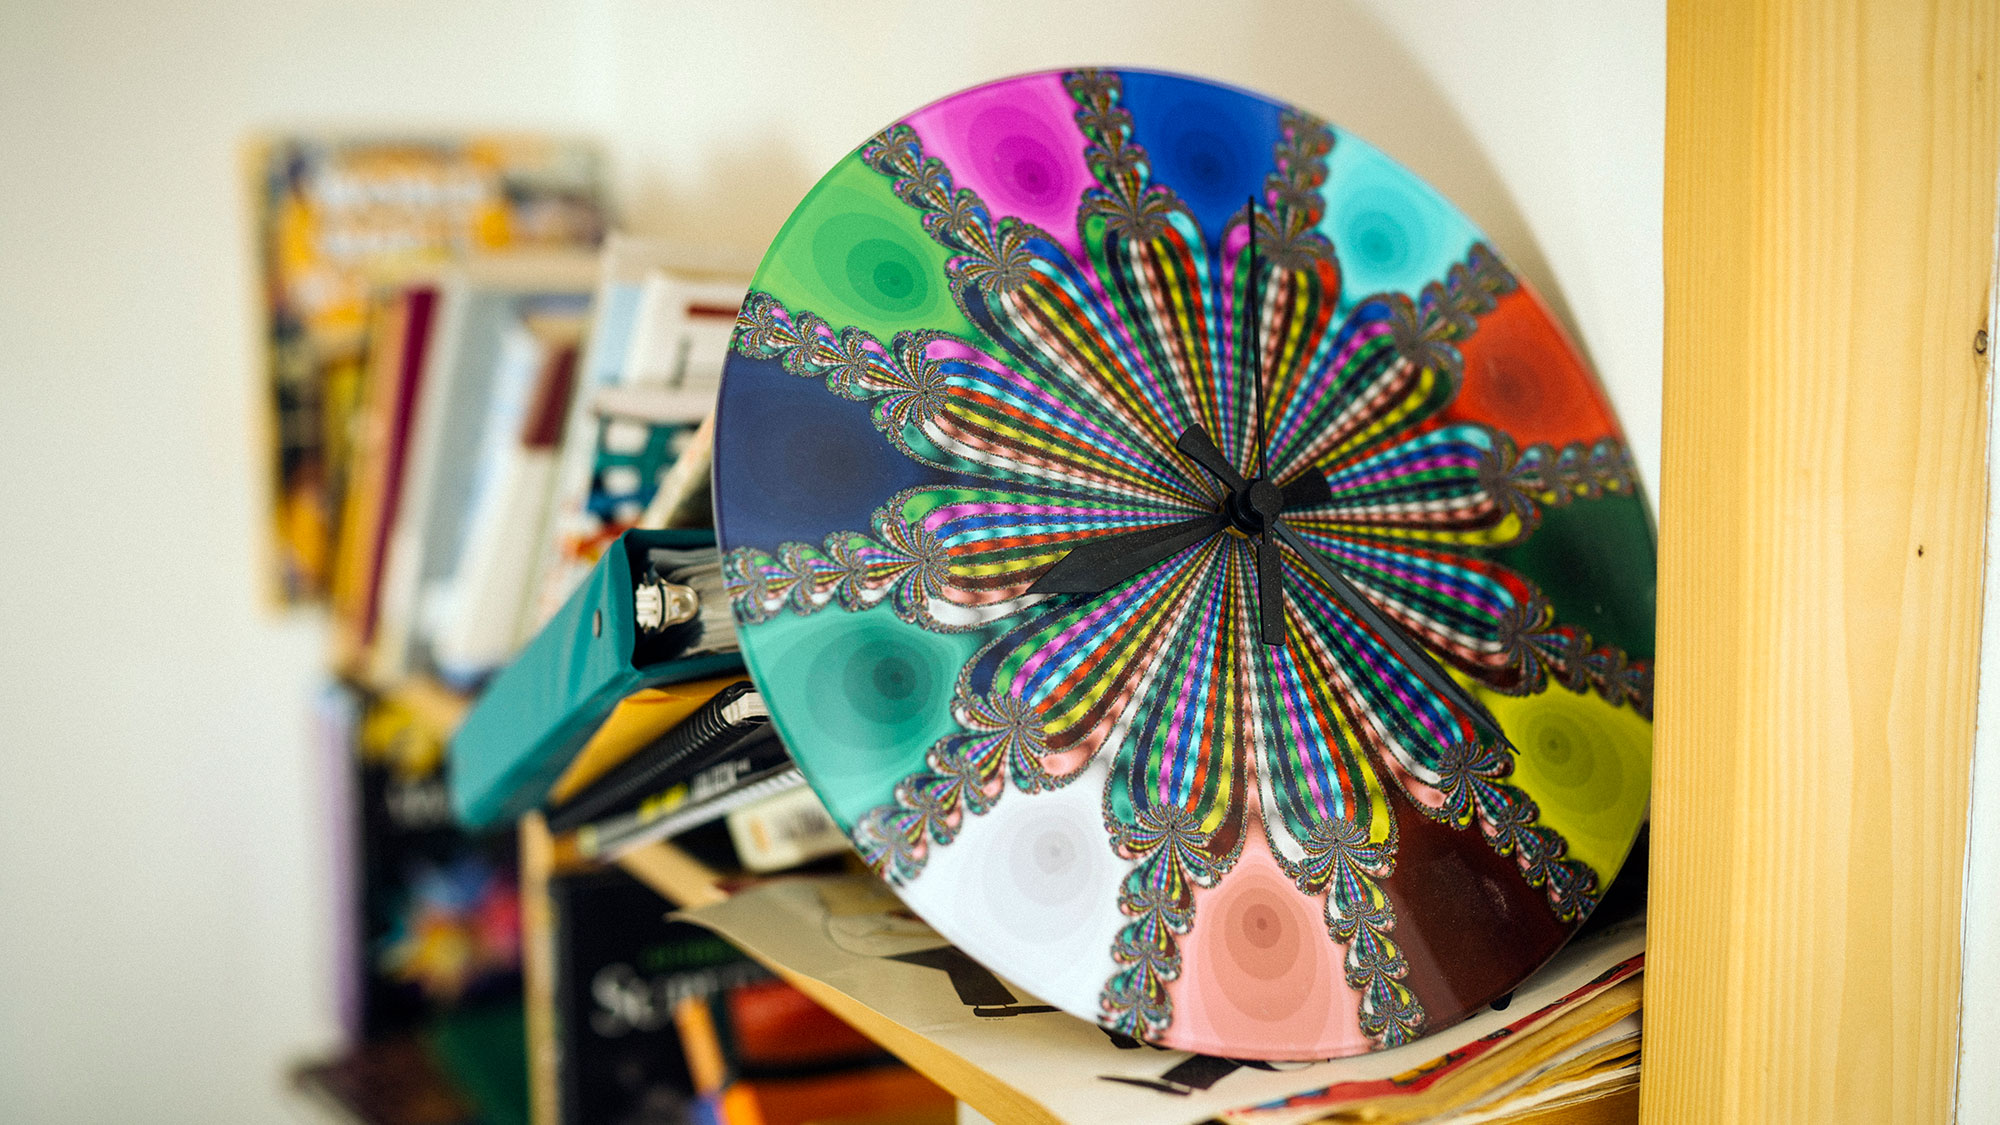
[
  {"x": 440, "y": 924},
  {"x": 621, "y": 968},
  {"x": 336, "y": 214}
]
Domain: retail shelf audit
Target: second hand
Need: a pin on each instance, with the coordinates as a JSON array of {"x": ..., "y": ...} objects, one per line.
[{"x": 1253, "y": 320}]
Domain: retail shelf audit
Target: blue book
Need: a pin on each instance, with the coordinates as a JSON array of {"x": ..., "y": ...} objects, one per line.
[{"x": 543, "y": 707}]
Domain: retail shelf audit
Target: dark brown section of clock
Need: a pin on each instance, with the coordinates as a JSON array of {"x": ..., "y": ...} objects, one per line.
[{"x": 1469, "y": 925}]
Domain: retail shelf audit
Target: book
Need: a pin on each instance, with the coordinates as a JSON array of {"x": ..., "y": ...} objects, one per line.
[
  {"x": 332, "y": 212},
  {"x": 765, "y": 1029},
  {"x": 683, "y": 498},
  {"x": 485, "y": 1051},
  {"x": 540, "y": 710},
  {"x": 783, "y": 831},
  {"x": 766, "y": 1053},
  {"x": 886, "y": 1095},
  {"x": 439, "y": 907},
  {"x": 400, "y": 334},
  {"x": 640, "y": 409},
  {"x": 621, "y": 969},
  {"x": 704, "y": 737},
  {"x": 478, "y": 609},
  {"x": 638, "y": 719},
  {"x": 707, "y": 797},
  {"x": 338, "y": 709},
  {"x": 468, "y": 392}
]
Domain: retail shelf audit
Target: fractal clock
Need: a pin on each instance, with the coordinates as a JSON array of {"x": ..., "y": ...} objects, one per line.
[{"x": 1197, "y": 572}]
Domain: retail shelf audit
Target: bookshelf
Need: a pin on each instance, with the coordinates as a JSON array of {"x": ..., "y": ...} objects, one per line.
[
  {"x": 1789, "y": 219},
  {"x": 1794, "y": 439}
]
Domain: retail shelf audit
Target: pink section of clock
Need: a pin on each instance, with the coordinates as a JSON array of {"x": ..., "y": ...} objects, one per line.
[
  {"x": 1258, "y": 975},
  {"x": 1016, "y": 145}
]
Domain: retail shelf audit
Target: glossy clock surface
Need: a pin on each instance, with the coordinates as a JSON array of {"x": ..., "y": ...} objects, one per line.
[{"x": 981, "y": 343}]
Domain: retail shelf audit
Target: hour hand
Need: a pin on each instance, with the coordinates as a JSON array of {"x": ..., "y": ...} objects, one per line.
[
  {"x": 1307, "y": 490},
  {"x": 1100, "y": 564},
  {"x": 1270, "y": 592}
]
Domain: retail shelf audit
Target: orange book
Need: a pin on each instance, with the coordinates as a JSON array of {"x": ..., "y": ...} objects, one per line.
[
  {"x": 879, "y": 1095},
  {"x": 765, "y": 1054}
]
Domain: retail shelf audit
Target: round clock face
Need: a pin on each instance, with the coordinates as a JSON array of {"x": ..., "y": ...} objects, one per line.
[{"x": 1193, "y": 567}]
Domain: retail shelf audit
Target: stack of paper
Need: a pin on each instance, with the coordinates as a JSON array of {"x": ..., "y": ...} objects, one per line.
[{"x": 1570, "y": 1033}]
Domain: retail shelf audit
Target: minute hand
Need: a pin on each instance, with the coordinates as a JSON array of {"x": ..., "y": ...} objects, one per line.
[{"x": 1407, "y": 650}]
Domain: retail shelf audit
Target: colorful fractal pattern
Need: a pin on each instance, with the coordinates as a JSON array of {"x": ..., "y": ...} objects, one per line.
[{"x": 972, "y": 350}]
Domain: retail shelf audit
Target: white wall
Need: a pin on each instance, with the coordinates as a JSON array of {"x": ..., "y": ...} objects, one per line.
[{"x": 162, "y": 894}]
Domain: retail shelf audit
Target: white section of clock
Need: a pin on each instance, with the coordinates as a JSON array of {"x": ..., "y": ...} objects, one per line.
[{"x": 1053, "y": 922}]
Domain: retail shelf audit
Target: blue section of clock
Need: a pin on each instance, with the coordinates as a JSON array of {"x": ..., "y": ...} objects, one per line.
[
  {"x": 819, "y": 464},
  {"x": 1212, "y": 144}
]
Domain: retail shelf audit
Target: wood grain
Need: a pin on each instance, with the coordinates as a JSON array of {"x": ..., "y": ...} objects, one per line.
[
  {"x": 1829, "y": 239},
  {"x": 674, "y": 875},
  {"x": 538, "y": 971}
]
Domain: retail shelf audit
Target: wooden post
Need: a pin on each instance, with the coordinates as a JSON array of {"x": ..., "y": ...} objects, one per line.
[
  {"x": 538, "y": 969},
  {"x": 1829, "y": 242}
]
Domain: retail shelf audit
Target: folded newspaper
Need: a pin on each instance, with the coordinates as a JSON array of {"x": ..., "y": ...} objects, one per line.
[{"x": 1568, "y": 1033}]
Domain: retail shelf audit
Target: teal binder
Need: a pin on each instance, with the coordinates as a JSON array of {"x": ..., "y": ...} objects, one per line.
[{"x": 541, "y": 709}]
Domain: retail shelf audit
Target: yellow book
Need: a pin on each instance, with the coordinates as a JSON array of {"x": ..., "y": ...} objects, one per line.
[{"x": 639, "y": 719}]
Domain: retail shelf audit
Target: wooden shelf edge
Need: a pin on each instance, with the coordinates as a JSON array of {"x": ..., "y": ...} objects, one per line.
[{"x": 675, "y": 875}]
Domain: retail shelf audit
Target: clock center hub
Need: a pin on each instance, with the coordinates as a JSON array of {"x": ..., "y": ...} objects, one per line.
[{"x": 1254, "y": 507}]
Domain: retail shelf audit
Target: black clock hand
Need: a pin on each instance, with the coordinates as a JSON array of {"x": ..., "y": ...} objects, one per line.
[
  {"x": 1253, "y": 335},
  {"x": 1263, "y": 503},
  {"x": 1307, "y": 490},
  {"x": 1270, "y": 591},
  {"x": 1100, "y": 564},
  {"x": 1257, "y": 505},
  {"x": 1200, "y": 448},
  {"x": 1405, "y": 648}
]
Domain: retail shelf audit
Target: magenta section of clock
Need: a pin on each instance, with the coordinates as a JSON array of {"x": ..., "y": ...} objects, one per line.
[{"x": 972, "y": 349}]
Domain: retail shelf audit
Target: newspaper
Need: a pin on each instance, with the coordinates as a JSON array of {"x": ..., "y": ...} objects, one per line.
[{"x": 848, "y": 942}]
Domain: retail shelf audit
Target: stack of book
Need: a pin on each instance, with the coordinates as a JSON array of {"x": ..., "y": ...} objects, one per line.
[{"x": 476, "y": 395}]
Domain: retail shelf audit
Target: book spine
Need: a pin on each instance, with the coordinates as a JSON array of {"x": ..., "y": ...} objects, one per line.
[
  {"x": 613, "y": 838},
  {"x": 784, "y": 831}
]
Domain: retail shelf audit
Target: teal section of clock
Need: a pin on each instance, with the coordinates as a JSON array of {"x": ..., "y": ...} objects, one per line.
[
  {"x": 857, "y": 255},
  {"x": 865, "y": 693},
  {"x": 1390, "y": 231}
]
